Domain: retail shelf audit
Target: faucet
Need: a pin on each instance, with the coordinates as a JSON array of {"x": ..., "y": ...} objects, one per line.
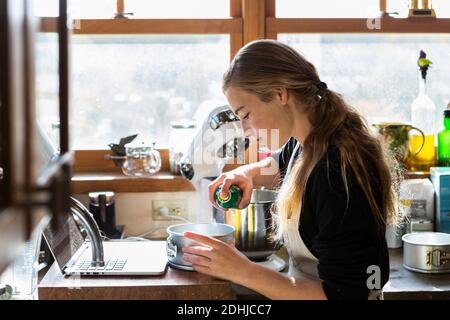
[{"x": 88, "y": 222}]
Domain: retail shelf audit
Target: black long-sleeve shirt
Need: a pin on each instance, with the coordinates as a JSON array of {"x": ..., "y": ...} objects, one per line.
[{"x": 343, "y": 235}]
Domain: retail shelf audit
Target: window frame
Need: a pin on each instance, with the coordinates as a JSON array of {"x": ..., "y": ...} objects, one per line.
[{"x": 249, "y": 20}]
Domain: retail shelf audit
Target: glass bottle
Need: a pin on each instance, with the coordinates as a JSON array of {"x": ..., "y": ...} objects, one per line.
[
  {"x": 444, "y": 141},
  {"x": 423, "y": 113}
]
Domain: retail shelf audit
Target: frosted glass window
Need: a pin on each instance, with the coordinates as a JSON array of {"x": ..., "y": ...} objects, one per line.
[
  {"x": 441, "y": 7},
  {"x": 122, "y": 85},
  {"x": 141, "y": 8},
  {"x": 378, "y": 74},
  {"x": 350, "y": 8},
  {"x": 47, "y": 84},
  {"x": 178, "y": 8},
  {"x": 46, "y": 8},
  {"x": 92, "y": 8},
  {"x": 77, "y": 8},
  {"x": 326, "y": 8}
]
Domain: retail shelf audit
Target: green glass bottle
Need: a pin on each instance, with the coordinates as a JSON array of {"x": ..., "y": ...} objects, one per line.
[
  {"x": 444, "y": 141},
  {"x": 231, "y": 199}
]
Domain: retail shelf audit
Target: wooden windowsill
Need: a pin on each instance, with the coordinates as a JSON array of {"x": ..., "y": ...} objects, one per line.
[
  {"x": 118, "y": 182},
  {"x": 92, "y": 172},
  {"x": 416, "y": 175}
]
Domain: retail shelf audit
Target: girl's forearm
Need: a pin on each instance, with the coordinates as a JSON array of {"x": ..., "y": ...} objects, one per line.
[{"x": 278, "y": 286}]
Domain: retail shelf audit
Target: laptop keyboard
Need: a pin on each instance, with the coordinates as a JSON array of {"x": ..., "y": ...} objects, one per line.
[{"x": 116, "y": 265}]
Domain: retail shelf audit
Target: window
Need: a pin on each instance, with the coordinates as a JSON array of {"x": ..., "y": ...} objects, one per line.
[
  {"x": 127, "y": 81},
  {"x": 47, "y": 84},
  {"x": 350, "y": 8},
  {"x": 374, "y": 68},
  {"x": 158, "y": 9},
  {"x": 326, "y": 8},
  {"x": 77, "y": 8},
  {"x": 378, "y": 74},
  {"x": 155, "y": 9},
  {"x": 442, "y": 7},
  {"x": 167, "y": 60},
  {"x": 137, "y": 84}
]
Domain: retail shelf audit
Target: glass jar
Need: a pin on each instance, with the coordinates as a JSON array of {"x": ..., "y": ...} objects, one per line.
[
  {"x": 141, "y": 160},
  {"x": 181, "y": 135}
]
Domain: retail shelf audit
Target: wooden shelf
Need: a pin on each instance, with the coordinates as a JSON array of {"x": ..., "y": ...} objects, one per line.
[
  {"x": 416, "y": 175},
  {"x": 118, "y": 182}
]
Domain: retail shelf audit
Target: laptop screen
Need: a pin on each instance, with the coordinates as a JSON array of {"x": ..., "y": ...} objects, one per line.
[{"x": 64, "y": 240}]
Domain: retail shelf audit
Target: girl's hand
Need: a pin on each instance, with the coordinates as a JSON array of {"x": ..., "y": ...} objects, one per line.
[
  {"x": 239, "y": 177},
  {"x": 216, "y": 258}
]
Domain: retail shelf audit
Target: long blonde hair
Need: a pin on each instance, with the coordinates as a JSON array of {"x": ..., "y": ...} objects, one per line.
[{"x": 263, "y": 65}]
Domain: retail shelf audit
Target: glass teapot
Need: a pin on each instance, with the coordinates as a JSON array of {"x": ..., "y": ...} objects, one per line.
[
  {"x": 141, "y": 160},
  {"x": 396, "y": 136}
]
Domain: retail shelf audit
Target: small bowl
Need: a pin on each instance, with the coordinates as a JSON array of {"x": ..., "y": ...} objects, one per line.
[{"x": 176, "y": 240}]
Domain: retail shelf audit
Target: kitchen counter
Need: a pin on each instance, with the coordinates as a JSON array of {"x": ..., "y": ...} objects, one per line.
[
  {"x": 173, "y": 285},
  {"x": 405, "y": 284},
  {"x": 402, "y": 285},
  {"x": 178, "y": 284}
]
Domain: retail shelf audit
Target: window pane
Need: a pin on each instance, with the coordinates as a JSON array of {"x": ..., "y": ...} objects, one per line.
[
  {"x": 326, "y": 8},
  {"x": 137, "y": 84},
  {"x": 92, "y": 9},
  {"x": 77, "y": 8},
  {"x": 378, "y": 74},
  {"x": 46, "y": 8},
  {"x": 179, "y": 8},
  {"x": 47, "y": 85},
  {"x": 441, "y": 7}
]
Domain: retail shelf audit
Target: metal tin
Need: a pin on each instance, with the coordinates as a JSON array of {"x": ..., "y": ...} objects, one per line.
[
  {"x": 176, "y": 240},
  {"x": 427, "y": 252}
]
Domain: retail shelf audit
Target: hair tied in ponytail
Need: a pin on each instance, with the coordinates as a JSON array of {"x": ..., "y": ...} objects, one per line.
[{"x": 321, "y": 88}]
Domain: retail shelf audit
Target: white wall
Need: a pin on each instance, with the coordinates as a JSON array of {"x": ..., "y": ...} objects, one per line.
[{"x": 134, "y": 210}]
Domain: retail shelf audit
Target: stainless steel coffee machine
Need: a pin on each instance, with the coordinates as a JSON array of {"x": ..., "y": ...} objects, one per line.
[{"x": 219, "y": 139}]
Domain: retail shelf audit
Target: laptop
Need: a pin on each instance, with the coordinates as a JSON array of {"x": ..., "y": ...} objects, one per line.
[{"x": 73, "y": 254}]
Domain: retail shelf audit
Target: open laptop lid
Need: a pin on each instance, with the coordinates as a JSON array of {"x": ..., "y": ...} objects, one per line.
[{"x": 64, "y": 240}]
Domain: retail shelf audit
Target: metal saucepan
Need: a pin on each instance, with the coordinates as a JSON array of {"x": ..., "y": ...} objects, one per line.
[
  {"x": 254, "y": 225},
  {"x": 176, "y": 241},
  {"x": 427, "y": 252}
]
